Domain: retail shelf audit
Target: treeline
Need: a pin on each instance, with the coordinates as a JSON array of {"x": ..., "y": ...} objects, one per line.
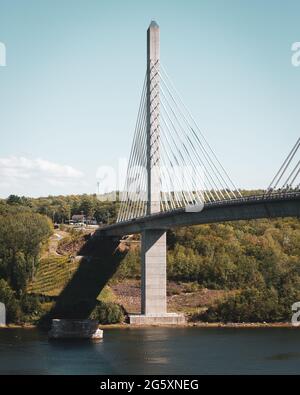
[
  {"x": 61, "y": 208},
  {"x": 22, "y": 236},
  {"x": 259, "y": 260},
  {"x": 235, "y": 255}
]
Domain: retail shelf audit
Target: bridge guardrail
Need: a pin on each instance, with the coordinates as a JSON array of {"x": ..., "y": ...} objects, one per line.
[{"x": 265, "y": 197}]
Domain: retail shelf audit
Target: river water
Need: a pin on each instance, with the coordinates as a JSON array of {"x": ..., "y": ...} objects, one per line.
[{"x": 154, "y": 351}]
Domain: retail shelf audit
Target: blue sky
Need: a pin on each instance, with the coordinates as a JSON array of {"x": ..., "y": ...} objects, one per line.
[{"x": 69, "y": 94}]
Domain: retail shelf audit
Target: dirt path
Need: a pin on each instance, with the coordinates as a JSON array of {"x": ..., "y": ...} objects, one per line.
[{"x": 53, "y": 243}]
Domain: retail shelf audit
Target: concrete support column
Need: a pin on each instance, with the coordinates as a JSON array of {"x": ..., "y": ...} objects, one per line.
[{"x": 154, "y": 272}]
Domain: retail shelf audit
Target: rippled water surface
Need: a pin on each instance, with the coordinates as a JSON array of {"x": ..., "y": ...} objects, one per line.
[{"x": 154, "y": 351}]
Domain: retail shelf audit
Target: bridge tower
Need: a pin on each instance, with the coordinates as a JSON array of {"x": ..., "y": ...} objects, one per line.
[{"x": 154, "y": 248}]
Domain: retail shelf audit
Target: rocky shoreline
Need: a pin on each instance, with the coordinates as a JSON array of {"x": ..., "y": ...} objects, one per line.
[
  {"x": 186, "y": 325},
  {"x": 207, "y": 325}
]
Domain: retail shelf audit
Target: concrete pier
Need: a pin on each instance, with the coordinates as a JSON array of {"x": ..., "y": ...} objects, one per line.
[
  {"x": 75, "y": 329},
  {"x": 157, "y": 319},
  {"x": 154, "y": 266},
  {"x": 154, "y": 282}
]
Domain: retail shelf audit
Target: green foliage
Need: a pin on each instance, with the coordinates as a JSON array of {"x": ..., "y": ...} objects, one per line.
[
  {"x": 106, "y": 295},
  {"x": 191, "y": 287},
  {"x": 22, "y": 235},
  {"x": 52, "y": 275},
  {"x": 61, "y": 208},
  {"x": 30, "y": 304},
  {"x": 131, "y": 265},
  {"x": 108, "y": 313},
  {"x": 259, "y": 259},
  {"x": 17, "y": 200},
  {"x": 251, "y": 305},
  {"x": 235, "y": 255}
]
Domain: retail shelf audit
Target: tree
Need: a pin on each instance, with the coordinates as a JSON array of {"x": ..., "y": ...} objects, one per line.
[
  {"x": 17, "y": 200},
  {"x": 22, "y": 235},
  {"x": 108, "y": 313}
]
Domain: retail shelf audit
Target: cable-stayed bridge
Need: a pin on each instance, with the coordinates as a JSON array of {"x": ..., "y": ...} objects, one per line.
[{"x": 175, "y": 178}]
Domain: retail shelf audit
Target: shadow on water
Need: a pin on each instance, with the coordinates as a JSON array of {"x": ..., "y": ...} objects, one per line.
[{"x": 101, "y": 257}]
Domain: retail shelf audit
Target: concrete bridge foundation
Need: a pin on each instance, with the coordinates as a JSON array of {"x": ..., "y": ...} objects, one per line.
[{"x": 154, "y": 282}]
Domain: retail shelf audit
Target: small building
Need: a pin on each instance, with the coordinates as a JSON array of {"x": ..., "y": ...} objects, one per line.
[
  {"x": 82, "y": 220},
  {"x": 78, "y": 218}
]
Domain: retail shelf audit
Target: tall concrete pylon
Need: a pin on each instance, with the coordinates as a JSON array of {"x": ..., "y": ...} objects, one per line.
[
  {"x": 153, "y": 115},
  {"x": 154, "y": 247}
]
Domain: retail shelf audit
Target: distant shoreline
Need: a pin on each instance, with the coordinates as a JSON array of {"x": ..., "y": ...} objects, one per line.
[{"x": 207, "y": 325}]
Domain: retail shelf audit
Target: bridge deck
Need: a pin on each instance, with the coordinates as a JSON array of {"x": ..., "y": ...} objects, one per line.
[{"x": 246, "y": 208}]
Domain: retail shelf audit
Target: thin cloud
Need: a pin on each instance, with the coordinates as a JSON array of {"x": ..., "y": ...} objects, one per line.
[{"x": 23, "y": 172}]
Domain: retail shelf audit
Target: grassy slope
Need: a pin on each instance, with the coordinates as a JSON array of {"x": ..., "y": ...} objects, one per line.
[
  {"x": 53, "y": 274},
  {"x": 69, "y": 279}
]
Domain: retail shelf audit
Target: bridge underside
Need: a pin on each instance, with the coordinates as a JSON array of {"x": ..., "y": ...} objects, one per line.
[{"x": 235, "y": 211}]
